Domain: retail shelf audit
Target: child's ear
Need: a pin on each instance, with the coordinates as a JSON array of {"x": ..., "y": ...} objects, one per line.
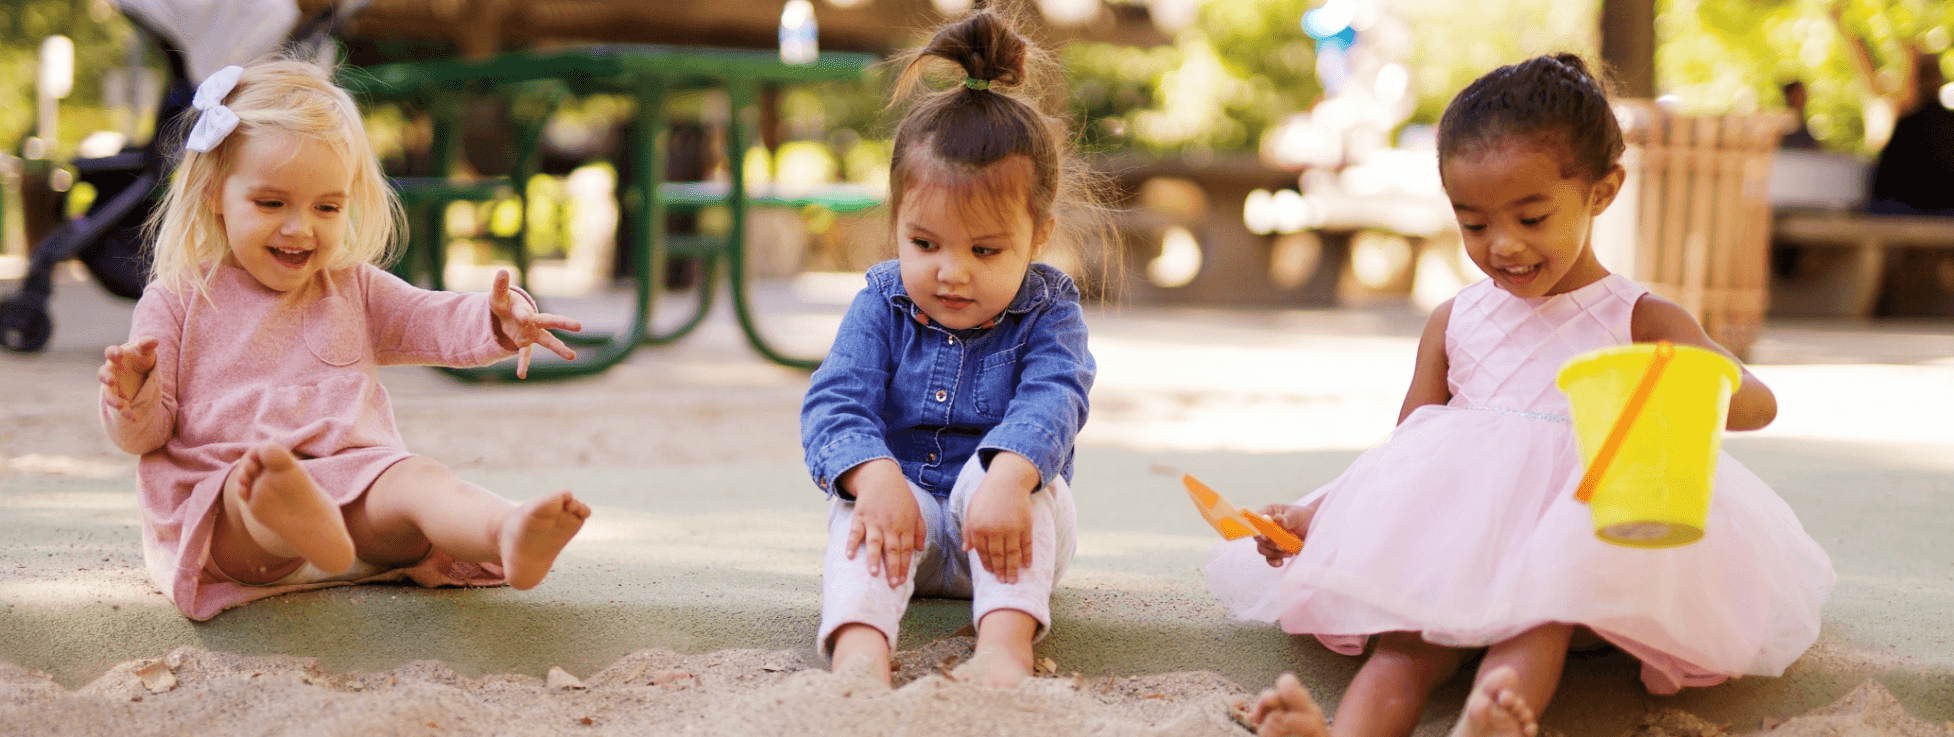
[
  {"x": 1040, "y": 234},
  {"x": 1603, "y": 191}
]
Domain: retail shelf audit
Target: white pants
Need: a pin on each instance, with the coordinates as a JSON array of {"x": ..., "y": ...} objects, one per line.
[{"x": 849, "y": 595}]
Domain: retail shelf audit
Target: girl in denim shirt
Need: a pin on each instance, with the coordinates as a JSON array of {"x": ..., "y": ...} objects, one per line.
[{"x": 942, "y": 422}]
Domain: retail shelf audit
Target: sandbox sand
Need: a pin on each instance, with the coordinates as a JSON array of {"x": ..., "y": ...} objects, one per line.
[{"x": 729, "y": 692}]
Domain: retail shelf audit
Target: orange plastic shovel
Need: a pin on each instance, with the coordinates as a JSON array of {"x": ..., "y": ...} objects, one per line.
[
  {"x": 1234, "y": 522},
  {"x": 1619, "y": 431}
]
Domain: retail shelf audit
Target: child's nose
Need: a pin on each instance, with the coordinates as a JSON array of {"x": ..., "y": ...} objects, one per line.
[
  {"x": 295, "y": 224},
  {"x": 1505, "y": 244},
  {"x": 951, "y": 270}
]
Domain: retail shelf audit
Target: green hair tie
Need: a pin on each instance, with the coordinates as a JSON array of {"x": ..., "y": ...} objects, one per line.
[{"x": 976, "y": 84}]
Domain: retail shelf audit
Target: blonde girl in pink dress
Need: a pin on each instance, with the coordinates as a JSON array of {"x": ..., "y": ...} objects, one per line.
[
  {"x": 249, "y": 385},
  {"x": 1461, "y": 532}
]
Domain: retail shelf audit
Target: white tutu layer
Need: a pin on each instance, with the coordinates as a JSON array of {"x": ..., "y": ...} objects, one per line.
[{"x": 1427, "y": 534}]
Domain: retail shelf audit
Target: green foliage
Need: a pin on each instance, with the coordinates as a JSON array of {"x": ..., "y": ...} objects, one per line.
[
  {"x": 1241, "y": 68},
  {"x": 1245, "y": 65},
  {"x": 1733, "y": 55},
  {"x": 99, "y": 34},
  {"x": 1453, "y": 43}
]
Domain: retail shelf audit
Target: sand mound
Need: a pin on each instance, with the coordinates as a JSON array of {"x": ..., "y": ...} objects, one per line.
[
  {"x": 731, "y": 692},
  {"x": 1867, "y": 711}
]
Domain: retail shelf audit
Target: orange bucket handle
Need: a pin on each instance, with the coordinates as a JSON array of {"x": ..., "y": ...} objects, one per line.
[{"x": 1619, "y": 431}]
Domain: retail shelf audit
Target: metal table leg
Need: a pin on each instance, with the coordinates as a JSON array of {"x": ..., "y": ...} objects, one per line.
[
  {"x": 647, "y": 250},
  {"x": 740, "y": 92}
]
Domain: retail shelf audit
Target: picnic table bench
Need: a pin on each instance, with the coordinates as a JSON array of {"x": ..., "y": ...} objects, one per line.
[
  {"x": 531, "y": 85},
  {"x": 1853, "y": 278}
]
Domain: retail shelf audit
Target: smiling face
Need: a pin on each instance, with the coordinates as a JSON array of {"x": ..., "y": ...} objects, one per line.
[
  {"x": 1526, "y": 224},
  {"x": 283, "y": 208},
  {"x": 964, "y": 254}
]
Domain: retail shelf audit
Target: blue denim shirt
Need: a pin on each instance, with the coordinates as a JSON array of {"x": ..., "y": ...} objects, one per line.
[{"x": 898, "y": 385}]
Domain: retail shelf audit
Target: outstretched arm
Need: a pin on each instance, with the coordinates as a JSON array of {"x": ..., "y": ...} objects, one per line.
[
  {"x": 1752, "y": 405},
  {"x": 411, "y": 325}
]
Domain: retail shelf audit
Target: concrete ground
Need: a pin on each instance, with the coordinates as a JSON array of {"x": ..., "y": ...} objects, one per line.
[{"x": 708, "y": 534}]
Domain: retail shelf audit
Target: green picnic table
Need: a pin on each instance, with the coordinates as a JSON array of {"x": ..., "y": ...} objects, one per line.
[{"x": 532, "y": 85}]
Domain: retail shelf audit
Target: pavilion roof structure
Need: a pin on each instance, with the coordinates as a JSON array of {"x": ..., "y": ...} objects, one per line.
[{"x": 480, "y": 28}]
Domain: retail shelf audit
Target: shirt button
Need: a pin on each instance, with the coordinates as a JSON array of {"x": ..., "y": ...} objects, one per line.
[
  {"x": 952, "y": 340},
  {"x": 942, "y": 395},
  {"x": 932, "y": 457}
]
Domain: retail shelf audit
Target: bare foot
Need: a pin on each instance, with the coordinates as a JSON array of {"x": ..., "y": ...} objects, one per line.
[
  {"x": 993, "y": 666},
  {"x": 532, "y": 535},
  {"x": 1288, "y": 711},
  {"x": 1495, "y": 709},
  {"x": 862, "y": 651},
  {"x": 287, "y": 514}
]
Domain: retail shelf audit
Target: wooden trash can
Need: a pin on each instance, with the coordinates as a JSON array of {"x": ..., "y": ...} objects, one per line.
[{"x": 1703, "y": 220}]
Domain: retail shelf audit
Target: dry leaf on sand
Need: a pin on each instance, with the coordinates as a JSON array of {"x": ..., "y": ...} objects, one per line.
[
  {"x": 156, "y": 676},
  {"x": 562, "y": 680}
]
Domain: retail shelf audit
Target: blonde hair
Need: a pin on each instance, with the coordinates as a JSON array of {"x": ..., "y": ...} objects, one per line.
[{"x": 277, "y": 95}]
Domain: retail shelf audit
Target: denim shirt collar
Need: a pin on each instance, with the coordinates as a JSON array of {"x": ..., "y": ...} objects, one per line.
[{"x": 1034, "y": 293}]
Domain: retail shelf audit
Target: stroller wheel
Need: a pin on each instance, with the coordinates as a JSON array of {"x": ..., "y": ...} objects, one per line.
[{"x": 24, "y": 325}]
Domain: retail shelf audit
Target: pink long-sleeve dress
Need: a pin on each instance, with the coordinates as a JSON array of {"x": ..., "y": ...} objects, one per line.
[{"x": 250, "y": 364}]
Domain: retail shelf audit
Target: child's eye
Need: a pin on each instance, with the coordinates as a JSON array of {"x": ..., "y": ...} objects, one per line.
[
  {"x": 270, "y": 204},
  {"x": 1530, "y": 222},
  {"x": 984, "y": 250},
  {"x": 922, "y": 245},
  {"x": 1472, "y": 227},
  {"x": 329, "y": 209}
]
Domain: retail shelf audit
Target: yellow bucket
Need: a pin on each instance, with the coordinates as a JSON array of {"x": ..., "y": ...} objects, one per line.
[{"x": 1649, "y": 419}]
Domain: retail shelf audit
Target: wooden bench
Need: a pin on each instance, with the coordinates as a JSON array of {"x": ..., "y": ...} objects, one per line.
[{"x": 1847, "y": 280}]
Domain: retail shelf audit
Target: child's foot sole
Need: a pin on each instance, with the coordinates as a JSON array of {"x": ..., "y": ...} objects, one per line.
[
  {"x": 282, "y": 499},
  {"x": 535, "y": 532},
  {"x": 1287, "y": 711},
  {"x": 1495, "y": 710}
]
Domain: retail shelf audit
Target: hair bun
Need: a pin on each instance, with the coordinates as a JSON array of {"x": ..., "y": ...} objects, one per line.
[
  {"x": 1574, "y": 63},
  {"x": 984, "y": 45}
]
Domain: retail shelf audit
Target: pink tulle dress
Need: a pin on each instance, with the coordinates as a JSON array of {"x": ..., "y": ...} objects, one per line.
[{"x": 1463, "y": 525}]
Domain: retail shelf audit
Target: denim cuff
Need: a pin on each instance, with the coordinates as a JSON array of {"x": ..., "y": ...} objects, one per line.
[
  {"x": 844, "y": 453},
  {"x": 1042, "y": 447}
]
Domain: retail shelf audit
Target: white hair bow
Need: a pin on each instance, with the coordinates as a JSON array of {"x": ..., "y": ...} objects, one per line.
[{"x": 214, "y": 120}]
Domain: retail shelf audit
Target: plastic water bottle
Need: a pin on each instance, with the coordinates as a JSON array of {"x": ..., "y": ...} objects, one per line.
[{"x": 797, "y": 33}]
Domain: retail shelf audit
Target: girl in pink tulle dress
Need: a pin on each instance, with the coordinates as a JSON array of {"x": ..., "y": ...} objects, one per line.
[{"x": 1461, "y": 532}]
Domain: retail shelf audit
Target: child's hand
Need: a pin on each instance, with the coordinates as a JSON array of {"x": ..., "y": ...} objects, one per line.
[
  {"x": 886, "y": 521},
  {"x": 522, "y": 325},
  {"x": 124, "y": 372},
  {"x": 997, "y": 524},
  {"x": 1289, "y": 517}
]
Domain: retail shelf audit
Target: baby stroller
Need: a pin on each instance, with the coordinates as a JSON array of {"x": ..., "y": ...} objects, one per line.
[{"x": 198, "y": 37}]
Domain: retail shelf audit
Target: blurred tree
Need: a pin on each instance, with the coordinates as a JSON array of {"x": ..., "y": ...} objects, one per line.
[
  {"x": 1733, "y": 55},
  {"x": 99, "y": 33},
  {"x": 1245, "y": 65}
]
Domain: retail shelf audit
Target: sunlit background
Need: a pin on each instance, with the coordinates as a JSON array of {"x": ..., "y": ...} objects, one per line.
[{"x": 1264, "y": 153}]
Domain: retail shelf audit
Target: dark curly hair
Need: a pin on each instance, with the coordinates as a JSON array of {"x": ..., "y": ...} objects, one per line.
[{"x": 1552, "y": 100}]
